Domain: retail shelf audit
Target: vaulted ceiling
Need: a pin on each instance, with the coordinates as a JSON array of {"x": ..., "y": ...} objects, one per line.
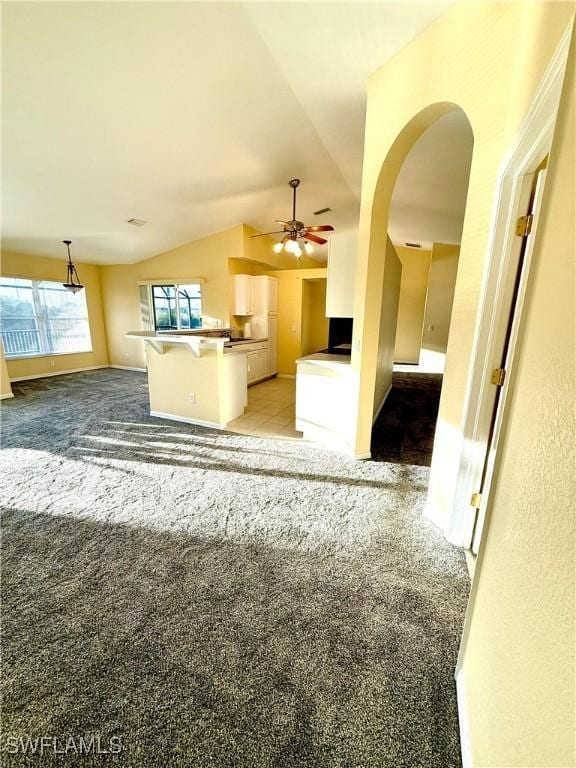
[{"x": 190, "y": 116}]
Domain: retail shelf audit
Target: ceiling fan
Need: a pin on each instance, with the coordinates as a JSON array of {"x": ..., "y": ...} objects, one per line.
[{"x": 297, "y": 236}]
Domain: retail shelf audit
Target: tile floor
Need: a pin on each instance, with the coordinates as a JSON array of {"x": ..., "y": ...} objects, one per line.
[{"x": 271, "y": 410}]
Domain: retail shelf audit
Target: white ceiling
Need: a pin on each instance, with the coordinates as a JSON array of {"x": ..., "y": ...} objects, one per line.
[
  {"x": 191, "y": 116},
  {"x": 429, "y": 197}
]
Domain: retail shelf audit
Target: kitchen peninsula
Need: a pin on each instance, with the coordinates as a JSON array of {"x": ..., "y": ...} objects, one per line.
[{"x": 200, "y": 377}]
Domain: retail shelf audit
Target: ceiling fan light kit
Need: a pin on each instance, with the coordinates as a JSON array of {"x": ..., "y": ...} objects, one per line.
[{"x": 298, "y": 238}]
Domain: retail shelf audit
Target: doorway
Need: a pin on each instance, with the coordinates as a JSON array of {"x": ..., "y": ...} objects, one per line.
[{"x": 425, "y": 225}]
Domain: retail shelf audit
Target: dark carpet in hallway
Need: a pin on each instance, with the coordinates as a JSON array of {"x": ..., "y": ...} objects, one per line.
[
  {"x": 216, "y": 599},
  {"x": 404, "y": 430}
]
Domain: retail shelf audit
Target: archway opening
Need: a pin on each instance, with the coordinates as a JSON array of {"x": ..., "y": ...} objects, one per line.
[{"x": 425, "y": 223}]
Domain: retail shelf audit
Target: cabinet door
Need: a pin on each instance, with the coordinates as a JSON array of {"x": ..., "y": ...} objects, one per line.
[
  {"x": 243, "y": 295},
  {"x": 263, "y": 363},
  {"x": 272, "y": 364},
  {"x": 260, "y": 295},
  {"x": 341, "y": 275},
  {"x": 252, "y": 366},
  {"x": 272, "y": 296}
]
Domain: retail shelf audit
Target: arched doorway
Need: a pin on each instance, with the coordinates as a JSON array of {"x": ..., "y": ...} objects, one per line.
[
  {"x": 425, "y": 226},
  {"x": 373, "y": 238}
]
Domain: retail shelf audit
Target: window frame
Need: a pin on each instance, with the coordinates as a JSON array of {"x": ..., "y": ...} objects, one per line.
[
  {"x": 40, "y": 317},
  {"x": 149, "y": 321}
]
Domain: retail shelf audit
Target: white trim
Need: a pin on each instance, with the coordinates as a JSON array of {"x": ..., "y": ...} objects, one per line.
[
  {"x": 128, "y": 368},
  {"x": 464, "y": 722},
  {"x": 382, "y": 404},
  {"x": 31, "y": 355},
  {"x": 174, "y": 281},
  {"x": 57, "y": 373},
  {"x": 531, "y": 145},
  {"x": 285, "y": 376},
  {"x": 8, "y": 395},
  {"x": 186, "y": 420}
]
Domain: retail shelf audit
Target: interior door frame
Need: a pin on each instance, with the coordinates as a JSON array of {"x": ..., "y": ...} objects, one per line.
[{"x": 533, "y": 143}]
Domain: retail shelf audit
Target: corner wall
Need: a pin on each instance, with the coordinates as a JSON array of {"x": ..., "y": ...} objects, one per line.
[
  {"x": 42, "y": 268},
  {"x": 413, "y": 288},
  {"x": 440, "y": 296}
]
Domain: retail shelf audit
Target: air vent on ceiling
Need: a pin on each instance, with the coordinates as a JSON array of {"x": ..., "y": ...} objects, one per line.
[
  {"x": 413, "y": 245},
  {"x": 322, "y": 210},
  {"x": 137, "y": 222}
]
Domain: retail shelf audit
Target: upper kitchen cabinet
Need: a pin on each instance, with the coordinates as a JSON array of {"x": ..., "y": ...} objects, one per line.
[
  {"x": 243, "y": 295},
  {"x": 265, "y": 295},
  {"x": 341, "y": 274}
]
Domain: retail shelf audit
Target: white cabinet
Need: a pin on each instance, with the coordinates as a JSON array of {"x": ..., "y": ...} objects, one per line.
[
  {"x": 243, "y": 295},
  {"x": 341, "y": 274},
  {"x": 272, "y": 358},
  {"x": 272, "y": 296},
  {"x": 257, "y": 363},
  {"x": 265, "y": 295}
]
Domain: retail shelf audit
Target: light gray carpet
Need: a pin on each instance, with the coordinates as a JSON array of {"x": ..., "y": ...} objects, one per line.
[{"x": 216, "y": 599}]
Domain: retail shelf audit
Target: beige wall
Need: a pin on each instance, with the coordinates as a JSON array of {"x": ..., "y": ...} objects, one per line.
[
  {"x": 518, "y": 670},
  {"x": 413, "y": 287},
  {"x": 391, "y": 282},
  {"x": 41, "y": 268},
  {"x": 5, "y": 388},
  {"x": 486, "y": 58},
  {"x": 440, "y": 296},
  {"x": 290, "y": 315},
  {"x": 314, "y": 320},
  {"x": 206, "y": 258}
]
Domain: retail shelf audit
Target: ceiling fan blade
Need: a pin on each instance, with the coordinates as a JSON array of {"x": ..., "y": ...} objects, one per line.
[
  {"x": 322, "y": 228},
  {"x": 315, "y": 239},
  {"x": 263, "y": 234},
  {"x": 284, "y": 223}
]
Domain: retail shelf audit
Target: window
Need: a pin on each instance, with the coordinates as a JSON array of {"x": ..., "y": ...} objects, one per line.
[
  {"x": 38, "y": 317},
  {"x": 176, "y": 306}
]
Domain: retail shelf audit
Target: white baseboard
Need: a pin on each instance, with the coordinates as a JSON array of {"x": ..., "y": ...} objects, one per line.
[
  {"x": 56, "y": 373},
  {"x": 7, "y": 396},
  {"x": 186, "y": 420},
  {"x": 464, "y": 721},
  {"x": 128, "y": 368},
  {"x": 383, "y": 402},
  {"x": 285, "y": 376}
]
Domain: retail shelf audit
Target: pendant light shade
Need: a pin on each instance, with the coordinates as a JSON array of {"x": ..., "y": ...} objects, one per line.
[{"x": 72, "y": 283}]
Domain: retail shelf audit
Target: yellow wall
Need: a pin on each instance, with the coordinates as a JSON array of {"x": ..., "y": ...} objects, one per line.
[
  {"x": 440, "y": 296},
  {"x": 488, "y": 59},
  {"x": 290, "y": 315},
  {"x": 206, "y": 258},
  {"x": 518, "y": 670},
  {"x": 413, "y": 287},
  {"x": 5, "y": 388},
  {"x": 41, "y": 268},
  {"x": 314, "y": 320},
  {"x": 391, "y": 283}
]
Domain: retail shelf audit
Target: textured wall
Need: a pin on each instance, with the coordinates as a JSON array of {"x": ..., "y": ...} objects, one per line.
[
  {"x": 413, "y": 287},
  {"x": 440, "y": 297},
  {"x": 518, "y": 668}
]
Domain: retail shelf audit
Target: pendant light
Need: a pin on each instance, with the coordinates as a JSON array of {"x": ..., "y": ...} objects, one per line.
[{"x": 72, "y": 280}]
